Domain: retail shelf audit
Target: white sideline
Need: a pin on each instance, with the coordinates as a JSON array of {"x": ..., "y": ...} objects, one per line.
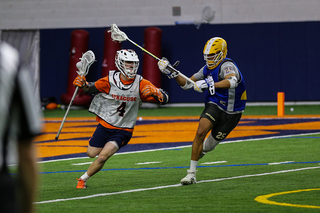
[{"x": 175, "y": 185}]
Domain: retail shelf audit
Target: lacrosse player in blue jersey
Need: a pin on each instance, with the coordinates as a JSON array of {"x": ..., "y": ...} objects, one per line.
[{"x": 225, "y": 99}]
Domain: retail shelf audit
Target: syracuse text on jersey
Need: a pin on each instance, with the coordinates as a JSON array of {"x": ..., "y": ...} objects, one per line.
[{"x": 124, "y": 98}]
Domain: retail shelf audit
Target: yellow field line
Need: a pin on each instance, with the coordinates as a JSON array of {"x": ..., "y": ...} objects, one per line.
[{"x": 264, "y": 199}]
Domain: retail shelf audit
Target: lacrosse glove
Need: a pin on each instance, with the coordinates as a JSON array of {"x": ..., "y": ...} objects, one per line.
[
  {"x": 165, "y": 67},
  {"x": 80, "y": 81},
  {"x": 156, "y": 93},
  {"x": 202, "y": 85}
]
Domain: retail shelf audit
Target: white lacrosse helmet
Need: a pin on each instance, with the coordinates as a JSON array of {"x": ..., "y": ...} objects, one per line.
[{"x": 127, "y": 62}]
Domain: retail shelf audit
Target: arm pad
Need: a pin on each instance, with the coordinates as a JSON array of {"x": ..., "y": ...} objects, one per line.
[
  {"x": 233, "y": 82},
  {"x": 187, "y": 86}
]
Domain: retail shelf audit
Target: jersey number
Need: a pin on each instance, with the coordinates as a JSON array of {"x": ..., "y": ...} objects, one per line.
[
  {"x": 121, "y": 109},
  {"x": 221, "y": 136}
]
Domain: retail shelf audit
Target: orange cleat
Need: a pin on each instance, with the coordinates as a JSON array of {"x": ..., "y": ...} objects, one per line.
[{"x": 81, "y": 184}]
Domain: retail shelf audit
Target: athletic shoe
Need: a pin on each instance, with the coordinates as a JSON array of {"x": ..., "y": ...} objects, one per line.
[
  {"x": 189, "y": 179},
  {"x": 81, "y": 184},
  {"x": 202, "y": 154}
]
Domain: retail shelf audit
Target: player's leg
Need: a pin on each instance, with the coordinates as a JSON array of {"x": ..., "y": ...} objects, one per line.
[
  {"x": 113, "y": 140},
  {"x": 227, "y": 123},
  {"x": 96, "y": 144},
  {"x": 209, "y": 144},
  {"x": 210, "y": 118},
  {"x": 108, "y": 150},
  {"x": 223, "y": 125},
  {"x": 204, "y": 127}
]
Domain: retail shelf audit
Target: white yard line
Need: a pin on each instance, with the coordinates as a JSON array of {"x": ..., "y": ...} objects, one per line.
[
  {"x": 215, "y": 162},
  {"x": 80, "y": 164},
  {"x": 171, "y": 186},
  {"x": 277, "y": 163},
  {"x": 145, "y": 163}
]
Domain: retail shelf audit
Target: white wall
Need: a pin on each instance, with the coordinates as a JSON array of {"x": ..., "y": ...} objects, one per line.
[{"x": 42, "y": 14}]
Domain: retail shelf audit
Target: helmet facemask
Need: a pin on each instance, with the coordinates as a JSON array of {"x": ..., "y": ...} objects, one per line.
[
  {"x": 127, "y": 62},
  {"x": 213, "y": 60}
]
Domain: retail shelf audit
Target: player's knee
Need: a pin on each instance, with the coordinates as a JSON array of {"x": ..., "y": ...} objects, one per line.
[
  {"x": 102, "y": 158},
  {"x": 201, "y": 134},
  {"x": 92, "y": 151},
  {"x": 91, "y": 155}
]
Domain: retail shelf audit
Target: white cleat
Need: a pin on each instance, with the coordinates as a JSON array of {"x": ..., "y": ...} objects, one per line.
[{"x": 189, "y": 179}]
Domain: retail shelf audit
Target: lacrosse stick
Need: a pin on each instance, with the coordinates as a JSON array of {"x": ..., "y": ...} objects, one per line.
[
  {"x": 83, "y": 65},
  {"x": 118, "y": 35}
]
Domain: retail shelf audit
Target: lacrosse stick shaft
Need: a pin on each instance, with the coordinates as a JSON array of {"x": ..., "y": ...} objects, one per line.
[
  {"x": 146, "y": 51},
  {"x": 66, "y": 114},
  {"x": 185, "y": 77},
  {"x": 118, "y": 35}
]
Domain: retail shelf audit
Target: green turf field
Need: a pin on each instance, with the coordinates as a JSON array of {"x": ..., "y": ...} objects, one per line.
[
  {"x": 234, "y": 183},
  {"x": 229, "y": 179}
]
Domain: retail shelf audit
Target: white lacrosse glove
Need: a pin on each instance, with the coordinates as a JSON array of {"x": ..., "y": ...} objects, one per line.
[
  {"x": 164, "y": 67},
  {"x": 163, "y": 64},
  {"x": 200, "y": 86}
]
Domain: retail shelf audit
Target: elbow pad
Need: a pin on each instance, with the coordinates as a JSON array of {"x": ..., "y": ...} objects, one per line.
[
  {"x": 233, "y": 82},
  {"x": 187, "y": 86}
]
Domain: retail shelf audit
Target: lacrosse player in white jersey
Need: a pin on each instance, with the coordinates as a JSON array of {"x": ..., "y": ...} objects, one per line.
[
  {"x": 116, "y": 103},
  {"x": 225, "y": 99}
]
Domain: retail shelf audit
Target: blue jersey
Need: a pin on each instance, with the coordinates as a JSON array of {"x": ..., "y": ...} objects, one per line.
[{"x": 230, "y": 100}]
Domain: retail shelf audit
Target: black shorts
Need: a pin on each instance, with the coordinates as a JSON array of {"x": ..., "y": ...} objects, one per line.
[
  {"x": 103, "y": 135},
  {"x": 223, "y": 123}
]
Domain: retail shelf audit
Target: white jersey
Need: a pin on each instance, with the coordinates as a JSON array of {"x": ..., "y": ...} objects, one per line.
[{"x": 120, "y": 106}]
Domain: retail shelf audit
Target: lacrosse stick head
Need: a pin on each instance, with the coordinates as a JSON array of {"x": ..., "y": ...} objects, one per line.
[
  {"x": 85, "y": 62},
  {"x": 117, "y": 34}
]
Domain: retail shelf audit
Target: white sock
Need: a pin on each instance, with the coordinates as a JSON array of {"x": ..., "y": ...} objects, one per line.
[
  {"x": 193, "y": 165},
  {"x": 85, "y": 177}
]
